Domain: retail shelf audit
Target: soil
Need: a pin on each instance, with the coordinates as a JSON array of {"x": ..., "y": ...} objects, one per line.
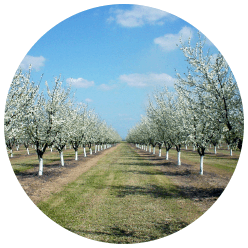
[
  {"x": 55, "y": 176},
  {"x": 204, "y": 190}
]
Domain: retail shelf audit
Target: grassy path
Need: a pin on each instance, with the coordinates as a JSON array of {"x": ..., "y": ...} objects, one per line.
[{"x": 124, "y": 199}]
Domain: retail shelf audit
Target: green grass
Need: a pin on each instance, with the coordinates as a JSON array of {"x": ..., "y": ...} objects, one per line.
[
  {"x": 22, "y": 162},
  {"x": 220, "y": 162},
  {"x": 123, "y": 199}
]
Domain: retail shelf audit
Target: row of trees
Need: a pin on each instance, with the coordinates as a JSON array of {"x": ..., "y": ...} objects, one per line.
[
  {"x": 204, "y": 108},
  {"x": 51, "y": 119}
]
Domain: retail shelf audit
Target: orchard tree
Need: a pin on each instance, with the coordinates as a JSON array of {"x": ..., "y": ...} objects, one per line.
[
  {"x": 202, "y": 125},
  {"x": 211, "y": 78},
  {"x": 85, "y": 127},
  {"x": 92, "y": 131},
  {"x": 20, "y": 100},
  {"x": 213, "y": 99},
  {"x": 160, "y": 110},
  {"x": 75, "y": 137},
  {"x": 62, "y": 136},
  {"x": 44, "y": 124},
  {"x": 180, "y": 127}
]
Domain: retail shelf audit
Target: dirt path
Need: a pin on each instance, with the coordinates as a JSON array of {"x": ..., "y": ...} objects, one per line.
[
  {"x": 203, "y": 190},
  {"x": 39, "y": 188}
]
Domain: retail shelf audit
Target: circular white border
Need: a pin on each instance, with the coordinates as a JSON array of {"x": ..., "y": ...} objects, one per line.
[{"x": 44, "y": 31}]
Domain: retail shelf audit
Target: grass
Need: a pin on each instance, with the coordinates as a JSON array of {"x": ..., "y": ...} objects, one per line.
[
  {"x": 22, "y": 162},
  {"x": 219, "y": 163},
  {"x": 124, "y": 199}
]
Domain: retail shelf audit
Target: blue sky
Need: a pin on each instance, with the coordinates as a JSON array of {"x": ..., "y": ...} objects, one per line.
[{"x": 114, "y": 56}]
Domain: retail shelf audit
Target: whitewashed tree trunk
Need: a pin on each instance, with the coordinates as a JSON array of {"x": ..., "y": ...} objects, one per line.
[
  {"x": 62, "y": 159},
  {"x": 230, "y": 151},
  {"x": 215, "y": 150},
  {"x": 186, "y": 147},
  {"x": 146, "y": 148},
  {"x": 11, "y": 153},
  {"x": 95, "y": 148},
  {"x": 193, "y": 148},
  {"x": 40, "y": 166},
  {"x": 90, "y": 151},
  {"x": 201, "y": 165},
  {"x": 65, "y": 147},
  {"x": 159, "y": 154},
  {"x": 27, "y": 151},
  {"x": 85, "y": 152},
  {"x": 178, "y": 158},
  {"x": 154, "y": 150},
  {"x": 76, "y": 155},
  {"x": 167, "y": 155},
  {"x": 51, "y": 149},
  {"x": 150, "y": 148}
]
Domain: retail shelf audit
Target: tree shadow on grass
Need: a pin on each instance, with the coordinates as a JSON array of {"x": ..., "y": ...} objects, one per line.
[
  {"x": 178, "y": 173},
  {"x": 125, "y": 234},
  {"x": 200, "y": 193},
  {"x": 154, "y": 173},
  {"x": 155, "y": 191},
  {"x": 152, "y": 190},
  {"x": 118, "y": 234},
  {"x": 170, "y": 226}
]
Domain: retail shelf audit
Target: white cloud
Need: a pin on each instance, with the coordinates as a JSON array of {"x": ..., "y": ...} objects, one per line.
[
  {"x": 146, "y": 80},
  {"x": 88, "y": 100},
  {"x": 80, "y": 82},
  {"x": 35, "y": 62},
  {"x": 138, "y": 16},
  {"x": 107, "y": 87},
  {"x": 169, "y": 42}
]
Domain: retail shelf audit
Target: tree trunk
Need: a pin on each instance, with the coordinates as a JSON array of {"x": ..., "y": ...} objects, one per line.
[
  {"x": 201, "y": 165},
  {"x": 150, "y": 148},
  {"x": 154, "y": 150},
  {"x": 230, "y": 151},
  {"x": 76, "y": 155},
  {"x": 215, "y": 150},
  {"x": 159, "y": 154},
  {"x": 201, "y": 152},
  {"x": 95, "y": 148},
  {"x": 62, "y": 158},
  {"x": 167, "y": 155},
  {"x": 27, "y": 151},
  {"x": 40, "y": 166},
  {"x": 85, "y": 152},
  {"x": 179, "y": 158},
  {"x": 90, "y": 151},
  {"x": 178, "y": 148}
]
